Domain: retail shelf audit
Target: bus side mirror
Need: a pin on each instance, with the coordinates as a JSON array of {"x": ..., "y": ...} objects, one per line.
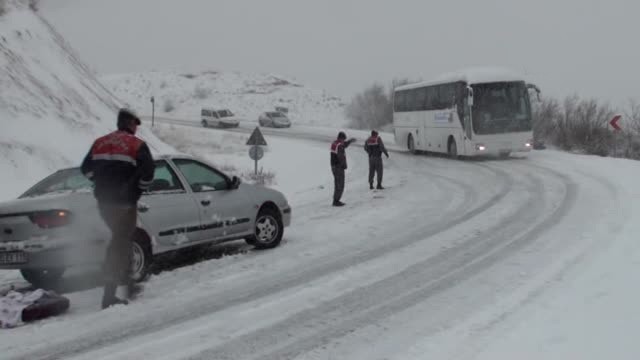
[
  {"x": 536, "y": 88},
  {"x": 469, "y": 96}
]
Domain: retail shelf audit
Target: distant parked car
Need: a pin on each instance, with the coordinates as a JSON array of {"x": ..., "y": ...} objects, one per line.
[
  {"x": 274, "y": 119},
  {"x": 56, "y": 225},
  {"x": 221, "y": 118}
]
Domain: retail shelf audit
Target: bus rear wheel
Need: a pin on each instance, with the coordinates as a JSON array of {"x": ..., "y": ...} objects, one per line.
[
  {"x": 411, "y": 145},
  {"x": 452, "y": 148}
]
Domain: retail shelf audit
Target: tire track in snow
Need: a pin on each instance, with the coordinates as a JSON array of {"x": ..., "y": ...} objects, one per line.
[
  {"x": 157, "y": 320},
  {"x": 337, "y": 318}
]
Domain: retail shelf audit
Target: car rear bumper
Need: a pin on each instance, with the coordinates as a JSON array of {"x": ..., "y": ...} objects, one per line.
[
  {"x": 62, "y": 256},
  {"x": 229, "y": 124}
]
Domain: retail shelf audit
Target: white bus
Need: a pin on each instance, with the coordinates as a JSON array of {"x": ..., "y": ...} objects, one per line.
[{"x": 469, "y": 113}]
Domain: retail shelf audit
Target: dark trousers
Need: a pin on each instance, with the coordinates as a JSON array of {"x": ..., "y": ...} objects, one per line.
[
  {"x": 338, "y": 181},
  {"x": 121, "y": 220},
  {"x": 375, "y": 167}
]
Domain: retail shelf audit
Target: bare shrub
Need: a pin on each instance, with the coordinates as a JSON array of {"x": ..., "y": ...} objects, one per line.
[
  {"x": 261, "y": 178},
  {"x": 201, "y": 92},
  {"x": 34, "y": 5},
  {"x": 370, "y": 109},
  {"x": 168, "y": 106},
  {"x": 3, "y": 7},
  {"x": 373, "y": 108},
  {"x": 575, "y": 125}
]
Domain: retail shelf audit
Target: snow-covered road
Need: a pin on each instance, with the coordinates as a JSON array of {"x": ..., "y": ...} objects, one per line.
[{"x": 456, "y": 259}]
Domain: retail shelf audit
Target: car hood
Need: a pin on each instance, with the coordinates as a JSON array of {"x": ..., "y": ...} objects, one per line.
[
  {"x": 61, "y": 200},
  {"x": 261, "y": 194}
]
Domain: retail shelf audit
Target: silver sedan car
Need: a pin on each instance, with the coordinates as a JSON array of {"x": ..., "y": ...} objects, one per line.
[
  {"x": 274, "y": 119},
  {"x": 55, "y": 225}
]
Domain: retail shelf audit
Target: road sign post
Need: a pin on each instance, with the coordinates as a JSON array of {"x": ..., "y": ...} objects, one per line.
[
  {"x": 153, "y": 110},
  {"x": 256, "y": 140},
  {"x": 616, "y": 129}
]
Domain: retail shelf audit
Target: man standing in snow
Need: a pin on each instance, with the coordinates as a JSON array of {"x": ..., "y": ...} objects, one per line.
[
  {"x": 339, "y": 166},
  {"x": 375, "y": 148},
  {"x": 121, "y": 167}
]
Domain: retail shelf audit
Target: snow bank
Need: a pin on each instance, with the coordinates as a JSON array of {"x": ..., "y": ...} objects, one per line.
[
  {"x": 51, "y": 105},
  {"x": 182, "y": 95}
]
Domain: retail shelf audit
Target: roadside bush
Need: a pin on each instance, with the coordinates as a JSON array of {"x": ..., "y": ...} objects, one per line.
[
  {"x": 261, "y": 178},
  {"x": 168, "y": 106},
  {"x": 201, "y": 92},
  {"x": 34, "y": 5},
  {"x": 575, "y": 125},
  {"x": 373, "y": 108},
  {"x": 3, "y": 7},
  {"x": 370, "y": 109}
]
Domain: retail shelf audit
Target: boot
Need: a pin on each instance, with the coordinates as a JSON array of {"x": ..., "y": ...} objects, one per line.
[
  {"x": 380, "y": 187},
  {"x": 133, "y": 289},
  {"x": 109, "y": 298},
  {"x": 338, "y": 203},
  {"x": 106, "y": 303},
  {"x": 371, "y": 186}
]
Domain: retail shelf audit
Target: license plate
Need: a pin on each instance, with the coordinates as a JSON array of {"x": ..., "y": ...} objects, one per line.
[{"x": 13, "y": 257}]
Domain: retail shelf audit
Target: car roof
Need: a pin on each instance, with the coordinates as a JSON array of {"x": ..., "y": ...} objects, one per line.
[{"x": 164, "y": 156}]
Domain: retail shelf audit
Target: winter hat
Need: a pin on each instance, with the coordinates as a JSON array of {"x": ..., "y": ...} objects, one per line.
[
  {"x": 342, "y": 135},
  {"x": 126, "y": 117},
  {"x": 374, "y": 133}
]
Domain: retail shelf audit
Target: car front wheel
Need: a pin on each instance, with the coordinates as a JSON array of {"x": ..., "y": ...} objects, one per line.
[
  {"x": 140, "y": 260},
  {"x": 268, "y": 229}
]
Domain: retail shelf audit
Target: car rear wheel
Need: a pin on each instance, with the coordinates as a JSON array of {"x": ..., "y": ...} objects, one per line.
[
  {"x": 411, "y": 145},
  {"x": 43, "y": 278},
  {"x": 268, "y": 229}
]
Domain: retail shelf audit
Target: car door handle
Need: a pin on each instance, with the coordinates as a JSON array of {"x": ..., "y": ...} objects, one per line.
[
  {"x": 205, "y": 202},
  {"x": 143, "y": 207}
]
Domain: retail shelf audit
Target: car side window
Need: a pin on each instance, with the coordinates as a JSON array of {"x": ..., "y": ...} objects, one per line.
[
  {"x": 165, "y": 179},
  {"x": 201, "y": 178}
]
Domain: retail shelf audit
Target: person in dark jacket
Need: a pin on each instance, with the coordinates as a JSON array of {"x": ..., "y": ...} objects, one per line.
[
  {"x": 375, "y": 148},
  {"x": 121, "y": 168},
  {"x": 339, "y": 166}
]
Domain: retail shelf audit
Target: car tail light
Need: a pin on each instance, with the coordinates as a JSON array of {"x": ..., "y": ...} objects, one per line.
[
  {"x": 529, "y": 143},
  {"x": 481, "y": 147},
  {"x": 51, "y": 219}
]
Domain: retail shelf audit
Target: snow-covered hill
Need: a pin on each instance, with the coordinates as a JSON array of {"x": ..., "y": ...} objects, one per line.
[
  {"x": 51, "y": 105},
  {"x": 182, "y": 95}
]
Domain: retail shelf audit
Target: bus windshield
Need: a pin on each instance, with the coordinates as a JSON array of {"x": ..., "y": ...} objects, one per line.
[{"x": 501, "y": 107}]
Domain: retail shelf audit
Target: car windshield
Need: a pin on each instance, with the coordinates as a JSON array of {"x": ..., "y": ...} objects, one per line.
[
  {"x": 501, "y": 107},
  {"x": 68, "y": 180},
  {"x": 278, "y": 115},
  {"x": 225, "y": 113}
]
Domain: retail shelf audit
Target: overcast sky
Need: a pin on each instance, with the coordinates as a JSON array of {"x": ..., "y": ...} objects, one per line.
[{"x": 586, "y": 46}]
